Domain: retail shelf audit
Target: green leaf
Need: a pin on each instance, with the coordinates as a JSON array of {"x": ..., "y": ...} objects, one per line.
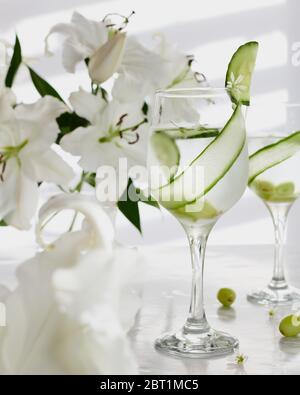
[
  {"x": 3, "y": 223},
  {"x": 104, "y": 94},
  {"x": 145, "y": 109},
  {"x": 130, "y": 208},
  {"x": 90, "y": 179},
  {"x": 42, "y": 86},
  {"x": 68, "y": 122},
  {"x": 149, "y": 200},
  {"x": 14, "y": 64}
]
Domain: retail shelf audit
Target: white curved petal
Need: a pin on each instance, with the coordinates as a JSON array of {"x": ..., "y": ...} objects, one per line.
[
  {"x": 25, "y": 201},
  {"x": 73, "y": 53},
  {"x": 60, "y": 28},
  {"x": 83, "y": 142},
  {"x": 9, "y": 133},
  {"x": 8, "y": 189},
  {"x": 43, "y": 111},
  {"x": 142, "y": 68},
  {"x": 86, "y": 105},
  {"x": 64, "y": 316},
  {"x": 130, "y": 88},
  {"x": 91, "y": 33},
  {"x": 109, "y": 352},
  {"x": 7, "y": 101},
  {"x": 48, "y": 166},
  {"x": 83, "y": 38},
  {"x": 30, "y": 308},
  {"x": 37, "y": 123},
  {"x": 89, "y": 294}
]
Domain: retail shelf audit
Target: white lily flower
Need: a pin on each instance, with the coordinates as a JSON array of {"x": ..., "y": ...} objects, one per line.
[
  {"x": 71, "y": 311},
  {"x": 27, "y": 157},
  {"x": 83, "y": 38},
  {"x": 115, "y": 132},
  {"x": 140, "y": 71}
]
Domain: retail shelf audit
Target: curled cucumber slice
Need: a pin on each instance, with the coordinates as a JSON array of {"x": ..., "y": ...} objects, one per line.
[
  {"x": 240, "y": 72},
  {"x": 215, "y": 161},
  {"x": 273, "y": 154}
]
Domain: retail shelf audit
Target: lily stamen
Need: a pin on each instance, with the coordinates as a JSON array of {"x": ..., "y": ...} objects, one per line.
[
  {"x": 121, "y": 120},
  {"x": 123, "y": 24},
  {"x": 3, "y": 167},
  {"x": 136, "y": 139}
]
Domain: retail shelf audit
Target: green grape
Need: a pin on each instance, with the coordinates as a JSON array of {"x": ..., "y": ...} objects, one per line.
[
  {"x": 226, "y": 297},
  {"x": 290, "y": 326}
]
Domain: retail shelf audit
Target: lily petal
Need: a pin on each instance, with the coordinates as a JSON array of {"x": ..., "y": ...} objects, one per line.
[
  {"x": 86, "y": 105},
  {"x": 48, "y": 166},
  {"x": 7, "y": 101},
  {"x": 25, "y": 202},
  {"x": 83, "y": 142},
  {"x": 43, "y": 111},
  {"x": 107, "y": 59},
  {"x": 142, "y": 68},
  {"x": 83, "y": 38},
  {"x": 91, "y": 33}
]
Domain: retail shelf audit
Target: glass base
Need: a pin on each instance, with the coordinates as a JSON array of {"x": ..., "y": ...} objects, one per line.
[
  {"x": 277, "y": 297},
  {"x": 211, "y": 344}
]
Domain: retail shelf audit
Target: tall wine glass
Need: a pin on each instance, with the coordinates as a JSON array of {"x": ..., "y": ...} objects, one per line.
[
  {"x": 198, "y": 169},
  {"x": 278, "y": 185}
]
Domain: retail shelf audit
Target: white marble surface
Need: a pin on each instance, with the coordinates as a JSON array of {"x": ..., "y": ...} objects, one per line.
[{"x": 165, "y": 306}]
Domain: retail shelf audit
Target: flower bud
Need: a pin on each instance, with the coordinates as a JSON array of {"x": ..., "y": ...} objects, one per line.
[{"x": 107, "y": 59}]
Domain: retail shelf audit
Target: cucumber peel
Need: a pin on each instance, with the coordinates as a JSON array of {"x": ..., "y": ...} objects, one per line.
[
  {"x": 240, "y": 72},
  {"x": 216, "y": 160},
  {"x": 273, "y": 154}
]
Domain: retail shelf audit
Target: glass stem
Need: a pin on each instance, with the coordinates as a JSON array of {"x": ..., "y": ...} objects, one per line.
[
  {"x": 279, "y": 213},
  {"x": 197, "y": 322}
]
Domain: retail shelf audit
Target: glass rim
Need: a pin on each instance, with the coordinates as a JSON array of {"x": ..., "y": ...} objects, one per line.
[
  {"x": 256, "y": 102},
  {"x": 201, "y": 92}
]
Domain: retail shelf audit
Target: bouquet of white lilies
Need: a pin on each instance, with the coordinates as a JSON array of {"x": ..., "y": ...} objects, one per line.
[{"x": 100, "y": 124}]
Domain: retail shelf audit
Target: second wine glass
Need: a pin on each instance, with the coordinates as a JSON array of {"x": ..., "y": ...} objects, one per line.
[{"x": 274, "y": 144}]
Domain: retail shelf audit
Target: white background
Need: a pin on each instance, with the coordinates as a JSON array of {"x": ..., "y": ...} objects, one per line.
[{"x": 210, "y": 29}]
